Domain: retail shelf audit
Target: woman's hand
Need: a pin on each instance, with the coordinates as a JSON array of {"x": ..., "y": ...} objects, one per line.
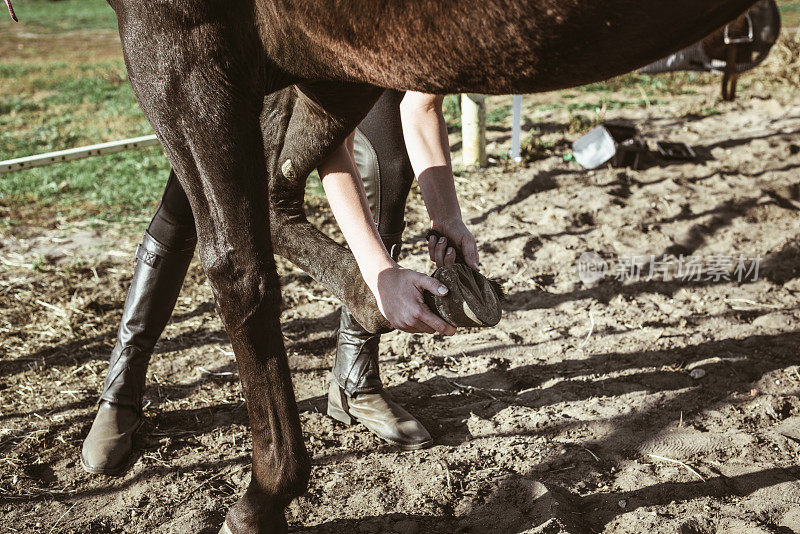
[
  {"x": 455, "y": 233},
  {"x": 399, "y": 294}
]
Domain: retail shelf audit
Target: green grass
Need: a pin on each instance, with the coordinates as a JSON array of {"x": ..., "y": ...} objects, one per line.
[
  {"x": 597, "y": 105},
  {"x": 57, "y": 107},
  {"x": 498, "y": 114},
  {"x": 114, "y": 187},
  {"x": 668, "y": 84},
  {"x": 51, "y": 106},
  {"x": 790, "y": 13},
  {"x": 451, "y": 108},
  {"x": 63, "y": 15},
  {"x": 314, "y": 185},
  {"x": 53, "y": 103}
]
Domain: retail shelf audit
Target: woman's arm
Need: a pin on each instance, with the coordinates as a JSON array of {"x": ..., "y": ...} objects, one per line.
[
  {"x": 425, "y": 132},
  {"x": 397, "y": 290}
]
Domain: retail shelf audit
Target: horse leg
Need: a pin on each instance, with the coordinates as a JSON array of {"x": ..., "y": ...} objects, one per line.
[
  {"x": 321, "y": 117},
  {"x": 200, "y": 78}
]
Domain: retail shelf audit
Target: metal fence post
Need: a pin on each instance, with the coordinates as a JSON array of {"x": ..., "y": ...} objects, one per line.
[{"x": 516, "y": 129}]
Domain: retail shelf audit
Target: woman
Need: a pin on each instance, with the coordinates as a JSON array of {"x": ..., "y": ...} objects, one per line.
[{"x": 371, "y": 217}]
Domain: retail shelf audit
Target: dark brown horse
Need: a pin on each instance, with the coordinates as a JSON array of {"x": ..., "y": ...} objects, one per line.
[{"x": 208, "y": 75}]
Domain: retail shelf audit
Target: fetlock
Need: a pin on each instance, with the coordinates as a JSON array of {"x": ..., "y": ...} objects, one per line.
[{"x": 254, "y": 512}]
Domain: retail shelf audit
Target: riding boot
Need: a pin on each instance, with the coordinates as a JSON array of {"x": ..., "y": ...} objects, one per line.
[
  {"x": 157, "y": 280},
  {"x": 356, "y": 392}
]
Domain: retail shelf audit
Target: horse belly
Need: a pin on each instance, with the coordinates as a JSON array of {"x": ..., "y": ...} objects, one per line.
[{"x": 486, "y": 46}]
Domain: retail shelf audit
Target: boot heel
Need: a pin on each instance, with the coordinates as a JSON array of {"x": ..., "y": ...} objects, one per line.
[{"x": 339, "y": 414}]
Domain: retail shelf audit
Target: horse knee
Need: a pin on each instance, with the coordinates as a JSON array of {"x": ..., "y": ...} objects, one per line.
[{"x": 244, "y": 285}]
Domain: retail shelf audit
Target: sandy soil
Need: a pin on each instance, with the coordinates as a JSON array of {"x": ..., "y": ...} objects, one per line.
[{"x": 578, "y": 413}]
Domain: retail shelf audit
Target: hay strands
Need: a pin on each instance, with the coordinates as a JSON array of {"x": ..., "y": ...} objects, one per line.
[{"x": 695, "y": 473}]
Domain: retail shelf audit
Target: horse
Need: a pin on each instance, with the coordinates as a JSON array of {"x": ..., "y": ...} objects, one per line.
[{"x": 209, "y": 76}]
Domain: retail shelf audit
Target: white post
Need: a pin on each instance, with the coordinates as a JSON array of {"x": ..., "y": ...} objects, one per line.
[
  {"x": 516, "y": 129},
  {"x": 473, "y": 130}
]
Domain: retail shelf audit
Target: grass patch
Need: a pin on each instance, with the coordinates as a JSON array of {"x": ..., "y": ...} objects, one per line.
[
  {"x": 498, "y": 114},
  {"x": 16, "y": 104},
  {"x": 19, "y": 70},
  {"x": 535, "y": 147},
  {"x": 314, "y": 185},
  {"x": 579, "y": 123},
  {"x": 451, "y": 108},
  {"x": 58, "y": 106},
  {"x": 116, "y": 187},
  {"x": 63, "y": 15},
  {"x": 47, "y": 106},
  {"x": 790, "y": 13},
  {"x": 666, "y": 84},
  {"x": 598, "y": 105}
]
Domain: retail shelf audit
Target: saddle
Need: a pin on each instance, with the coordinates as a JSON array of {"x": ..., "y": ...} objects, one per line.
[{"x": 738, "y": 47}]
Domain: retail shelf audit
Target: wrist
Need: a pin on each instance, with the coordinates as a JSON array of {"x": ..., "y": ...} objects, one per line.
[
  {"x": 372, "y": 271},
  {"x": 443, "y": 221}
]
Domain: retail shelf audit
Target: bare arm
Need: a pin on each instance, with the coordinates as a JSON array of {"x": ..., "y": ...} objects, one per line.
[
  {"x": 425, "y": 132},
  {"x": 397, "y": 290}
]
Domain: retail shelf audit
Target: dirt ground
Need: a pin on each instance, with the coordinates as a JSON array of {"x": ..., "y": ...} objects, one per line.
[{"x": 583, "y": 411}]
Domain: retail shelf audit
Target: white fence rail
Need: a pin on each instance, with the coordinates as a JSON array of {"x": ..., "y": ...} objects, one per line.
[{"x": 73, "y": 154}]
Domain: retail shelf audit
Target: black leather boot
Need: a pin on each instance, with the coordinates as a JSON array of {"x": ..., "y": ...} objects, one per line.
[
  {"x": 356, "y": 392},
  {"x": 156, "y": 284}
]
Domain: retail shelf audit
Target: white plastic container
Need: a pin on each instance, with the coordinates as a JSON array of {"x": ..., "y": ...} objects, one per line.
[{"x": 594, "y": 148}]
